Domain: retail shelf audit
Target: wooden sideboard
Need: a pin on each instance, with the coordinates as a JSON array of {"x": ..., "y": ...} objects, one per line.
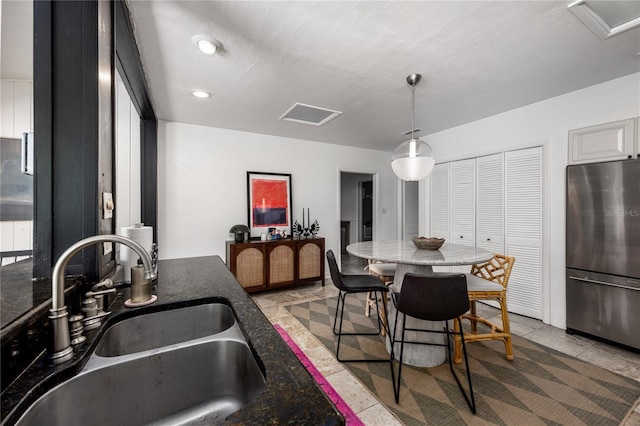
[{"x": 261, "y": 265}]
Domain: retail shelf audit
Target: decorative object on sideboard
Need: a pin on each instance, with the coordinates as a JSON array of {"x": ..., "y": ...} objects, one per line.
[
  {"x": 269, "y": 203},
  {"x": 240, "y": 232},
  {"x": 297, "y": 229},
  {"x": 427, "y": 243},
  {"x": 314, "y": 228},
  {"x": 307, "y": 228}
]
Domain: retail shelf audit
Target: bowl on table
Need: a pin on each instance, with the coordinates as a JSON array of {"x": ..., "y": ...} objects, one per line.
[{"x": 428, "y": 243}]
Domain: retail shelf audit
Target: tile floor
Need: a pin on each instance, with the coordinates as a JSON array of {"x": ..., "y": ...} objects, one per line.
[{"x": 366, "y": 405}]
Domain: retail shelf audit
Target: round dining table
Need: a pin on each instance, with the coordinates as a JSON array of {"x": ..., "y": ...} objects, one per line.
[{"x": 409, "y": 258}]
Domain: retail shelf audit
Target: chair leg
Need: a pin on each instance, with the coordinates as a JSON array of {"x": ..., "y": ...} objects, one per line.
[
  {"x": 470, "y": 398},
  {"x": 471, "y": 401},
  {"x": 382, "y": 314},
  {"x": 371, "y": 300},
  {"x": 508, "y": 348},
  {"x": 367, "y": 306},
  {"x": 473, "y": 314},
  {"x": 338, "y": 322},
  {"x": 396, "y": 384},
  {"x": 335, "y": 318},
  {"x": 457, "y": 341}
]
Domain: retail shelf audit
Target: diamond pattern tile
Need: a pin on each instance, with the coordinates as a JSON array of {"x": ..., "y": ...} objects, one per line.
[{"x": 540, "y": 386}]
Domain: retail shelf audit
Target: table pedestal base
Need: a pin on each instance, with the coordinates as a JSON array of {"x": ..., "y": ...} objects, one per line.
[{"x": 416, "y": 355}]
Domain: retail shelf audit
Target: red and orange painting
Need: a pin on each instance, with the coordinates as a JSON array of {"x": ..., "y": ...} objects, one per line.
[{"x": 270, "y": 198}]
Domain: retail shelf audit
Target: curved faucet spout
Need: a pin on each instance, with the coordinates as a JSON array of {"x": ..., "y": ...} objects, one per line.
[
  {"x": 61, "y": 264},
  {"x": 60, "y": 349}
]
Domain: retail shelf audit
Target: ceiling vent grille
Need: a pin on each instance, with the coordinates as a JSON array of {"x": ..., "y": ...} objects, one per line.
[
  {"x": 607, "y": 18},
  {"x": 308, "y": 114}
]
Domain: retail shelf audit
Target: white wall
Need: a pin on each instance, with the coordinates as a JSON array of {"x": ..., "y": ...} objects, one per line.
[
  {"x": 202, "y": 184},
  {"x": 547, "y": 124}
]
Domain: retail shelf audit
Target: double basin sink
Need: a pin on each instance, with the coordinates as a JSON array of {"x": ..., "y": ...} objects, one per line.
[{"x": 188, "y": 365}]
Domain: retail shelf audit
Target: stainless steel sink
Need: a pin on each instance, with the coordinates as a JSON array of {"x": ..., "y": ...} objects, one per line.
[
  {"x": 195, "y": 384},
  {"x": 164, "y": 328},
  {"x": 190, "y": 365}
]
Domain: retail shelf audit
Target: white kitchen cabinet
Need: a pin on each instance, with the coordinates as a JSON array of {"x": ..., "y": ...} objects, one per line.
[{"x": 604, "y": 142}]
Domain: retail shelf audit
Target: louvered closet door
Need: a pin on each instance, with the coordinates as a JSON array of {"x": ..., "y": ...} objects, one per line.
[
  {"x": 440, "y": 201},
  {"x": 523, "y": 230},
  {"x": 490, "y": 203},
  {"x": 440, "y": 205},
  {"x": 462, "y": 214}
]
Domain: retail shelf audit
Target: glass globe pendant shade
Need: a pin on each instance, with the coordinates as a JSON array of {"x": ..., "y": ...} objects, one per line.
[{"x": 412, "y": 160}]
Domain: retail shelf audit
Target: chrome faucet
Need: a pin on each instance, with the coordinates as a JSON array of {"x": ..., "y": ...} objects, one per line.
[{"x": 60, "y": 349}]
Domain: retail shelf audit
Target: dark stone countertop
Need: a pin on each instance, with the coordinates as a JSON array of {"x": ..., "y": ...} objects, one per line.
[{"x": 291, "y": 396}]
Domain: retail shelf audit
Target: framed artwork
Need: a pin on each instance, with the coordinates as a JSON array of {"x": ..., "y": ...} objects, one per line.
[{"x": 269, "y": 202}]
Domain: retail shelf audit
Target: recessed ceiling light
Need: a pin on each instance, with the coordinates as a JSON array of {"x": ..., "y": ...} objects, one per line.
[
  {"x": 201, "y": 94},
  {"x": 207, "y": 45}
]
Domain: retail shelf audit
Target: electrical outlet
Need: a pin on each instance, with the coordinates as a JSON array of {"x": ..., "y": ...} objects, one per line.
[
  {"x": 107, "y": 205},
  {"x": 108, "y": 247}
]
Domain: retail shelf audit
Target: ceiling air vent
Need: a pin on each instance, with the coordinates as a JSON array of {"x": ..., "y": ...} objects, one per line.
[
  {"x": 308, "y": 114},
  {"x": 607, "y": 18}
]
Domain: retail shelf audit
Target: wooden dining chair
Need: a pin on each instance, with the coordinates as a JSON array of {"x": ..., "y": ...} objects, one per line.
[
  {"x": 487, "y": 281},
  {"x": 386, "y": 272}
]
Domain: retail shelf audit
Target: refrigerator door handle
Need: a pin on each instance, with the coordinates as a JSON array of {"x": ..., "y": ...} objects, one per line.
[{"x": 587, "y": 280}]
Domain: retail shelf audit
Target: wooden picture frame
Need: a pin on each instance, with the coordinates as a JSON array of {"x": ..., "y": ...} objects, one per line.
[{"x": 269, "y": 202}]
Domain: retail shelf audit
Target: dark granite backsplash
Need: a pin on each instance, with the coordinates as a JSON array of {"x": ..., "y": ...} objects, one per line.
[
  {"x": 24, "y": 338},
  {"x": 291, "y": 395}
]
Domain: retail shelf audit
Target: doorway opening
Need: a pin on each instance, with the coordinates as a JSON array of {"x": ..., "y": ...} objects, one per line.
[
  {"x": 357, "y": 201},
  {"x": 366, "y": 210}
]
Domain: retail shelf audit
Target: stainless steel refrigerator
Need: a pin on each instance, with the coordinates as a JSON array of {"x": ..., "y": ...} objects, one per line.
[{"x": 603, "y": 250}]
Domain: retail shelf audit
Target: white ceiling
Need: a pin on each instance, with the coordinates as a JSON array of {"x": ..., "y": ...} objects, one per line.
[{"x": 477, "y": 58}]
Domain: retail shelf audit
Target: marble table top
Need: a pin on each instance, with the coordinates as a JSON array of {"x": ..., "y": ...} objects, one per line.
[{"x": 406, "y": 252}]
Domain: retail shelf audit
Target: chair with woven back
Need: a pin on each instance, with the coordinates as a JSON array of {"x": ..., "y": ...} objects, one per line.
[
  {"x": 386, "y": 272},
  {"x": 487, "y": 281}
]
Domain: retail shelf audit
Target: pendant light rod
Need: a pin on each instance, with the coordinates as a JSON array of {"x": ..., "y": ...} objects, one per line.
[{"x": 413, "y": 80}]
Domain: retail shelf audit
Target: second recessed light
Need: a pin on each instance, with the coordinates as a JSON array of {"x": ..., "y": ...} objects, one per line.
[
  {"x": 207, "y": 45},
  {"x": 201, "y": 94}
]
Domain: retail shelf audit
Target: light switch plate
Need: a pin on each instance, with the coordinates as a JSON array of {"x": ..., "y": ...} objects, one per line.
[
  {"x": 108, "y": 247},
  {"x": 107, "y": 205}
]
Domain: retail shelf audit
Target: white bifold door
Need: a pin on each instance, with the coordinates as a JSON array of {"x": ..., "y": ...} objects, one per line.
[{"x": 494, "y": 202}]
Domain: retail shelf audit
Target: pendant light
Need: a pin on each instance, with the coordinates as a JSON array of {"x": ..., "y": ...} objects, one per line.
[{"x": 412, "y": 160}]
